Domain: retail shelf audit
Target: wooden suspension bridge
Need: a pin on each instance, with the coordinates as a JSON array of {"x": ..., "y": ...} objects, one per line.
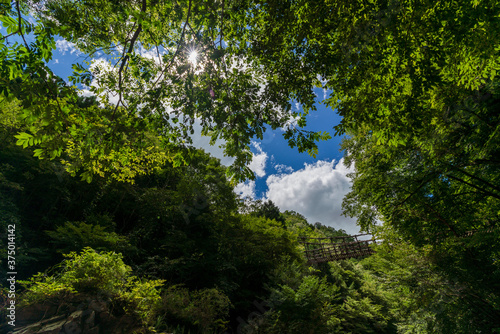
[{"x": 319, "y": 250}]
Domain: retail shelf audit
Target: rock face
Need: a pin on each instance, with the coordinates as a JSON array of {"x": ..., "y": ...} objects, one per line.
[{"x": 90, "y": 316}]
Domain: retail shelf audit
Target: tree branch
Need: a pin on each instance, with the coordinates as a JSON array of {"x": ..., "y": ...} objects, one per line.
[
  {"x": 177, "y": 50},
  {"x": 11, "y": 34},
  {"x": 222, "y": 25},
  {"x": 156, "y": 46},
  {"x": 440, "y": 218},
  {"x": 125, "y": 59},
  {"x": 474, "y": 186},
  {"x": 20, "y": 28},
  {"x": 416, "y": 190},
  {"x": 476, "y": 178}
]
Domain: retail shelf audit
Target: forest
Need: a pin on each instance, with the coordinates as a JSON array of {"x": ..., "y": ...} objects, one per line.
[{"x": 113, "y": 222}]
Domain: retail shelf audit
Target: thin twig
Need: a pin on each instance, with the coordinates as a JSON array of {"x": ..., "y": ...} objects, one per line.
[
  {"x": 156, "y": 46},
  {"x": 438, "y": 216},
  {"x": 20, "y": 29},
  {"x": 417, "y": 189},
  {"x": 194, "y": 33},
  {"x": 474, "y": 186},
  {"x": 108, "y": 48},
  {"x": 176, "y": 51},
  {"x": 5, "y": 37},
  {"x": 125, "y": 59},
  {"x": 222, "y": 25},
  {"x": 476, "y": 178}
]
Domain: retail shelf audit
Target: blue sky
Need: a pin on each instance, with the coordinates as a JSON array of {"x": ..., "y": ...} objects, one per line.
[
  {"x": 292, "y": 180},
  {"x": 281, "y": 154},
  {"x": 296, "y": 181}
]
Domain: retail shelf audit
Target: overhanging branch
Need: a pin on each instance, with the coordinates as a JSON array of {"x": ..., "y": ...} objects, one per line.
[{"x": 126, "y": 57}]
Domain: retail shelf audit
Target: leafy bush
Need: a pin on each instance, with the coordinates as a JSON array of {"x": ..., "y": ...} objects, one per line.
[
  {"x": 91, "y": 273},
  {"x": 338, "y": 298},
  {"x": 202, "y": 311},
  {"x": 74, "y": 236},
  {"x": 307, "y": 309},
  {"x": 88, "y": 271},
  {"x": 143, "y": 298}
]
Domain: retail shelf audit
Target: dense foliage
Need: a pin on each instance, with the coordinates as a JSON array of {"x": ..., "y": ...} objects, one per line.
[
  {"x": 200, "y": 262},
  {"x": 204, "y": 267},
  {"x": 415, "y": 82},
  {"x": 151, "y": 98}
]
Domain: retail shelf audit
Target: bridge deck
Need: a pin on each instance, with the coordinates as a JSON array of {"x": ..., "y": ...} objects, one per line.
[{"x": 319, "y": 250}]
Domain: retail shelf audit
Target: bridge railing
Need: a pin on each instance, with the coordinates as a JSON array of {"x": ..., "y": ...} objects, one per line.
[{"x": 326, "y": 249}]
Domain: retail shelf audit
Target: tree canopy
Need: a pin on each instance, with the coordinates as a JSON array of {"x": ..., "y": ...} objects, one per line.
[
  {"x": 392, "y": 69},
  {"x": 175, "y": 63},
  {"x": 416, "y": 85}
]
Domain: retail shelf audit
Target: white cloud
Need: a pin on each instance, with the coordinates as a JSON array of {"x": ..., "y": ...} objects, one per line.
[
  {"x": 203, "y": 142},
  {"x": 85, "y": 92},
  {"x": 323, "y": 81},
  {"x": 246, "y": 189},
  {"x": 283, "y": 169},
  {"x": 316, "y": 191},
  {"x": 152, "y": 54},
  {"x": 100, "y": 67},
  {"x": 258, "y": 164},
  {"x": 297, "y": 106},
  {"x": 64, "y": 46},
  {"x": 290, "y": 123}
]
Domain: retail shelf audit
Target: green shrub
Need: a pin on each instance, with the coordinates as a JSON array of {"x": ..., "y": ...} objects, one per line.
[
  {"x": 91, "y": 272},
  {"x": 202, "y": 311},
  {"x": 339, "y": 297},
  {"x": 75, "y": 236},
  {"x": 307, "y": 309},
  {"x": 143, "y": 297},
  {"x": 86, "y": 272}
]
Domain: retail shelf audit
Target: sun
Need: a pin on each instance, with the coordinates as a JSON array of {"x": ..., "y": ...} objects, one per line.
[{"x": 193, "y": 56}]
